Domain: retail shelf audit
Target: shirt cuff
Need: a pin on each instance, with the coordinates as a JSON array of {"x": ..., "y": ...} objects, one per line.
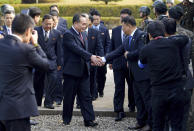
[
  {"x": 140, "y": 64},
  {"x": 103, "y": 59}
]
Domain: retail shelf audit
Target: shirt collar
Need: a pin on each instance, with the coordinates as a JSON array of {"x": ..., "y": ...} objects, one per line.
[
  {"x": 98, "y": 26},
  {"x": 45, "y": 31},
  {"x": 17, "y": 37},
  {"x": 75, "y": 30},
  {"x": 133, "y": 32},
  {"x": 86, "y": 30}
]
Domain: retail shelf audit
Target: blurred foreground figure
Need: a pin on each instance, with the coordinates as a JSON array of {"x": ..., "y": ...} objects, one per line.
[{"x": 18, "y": 58}]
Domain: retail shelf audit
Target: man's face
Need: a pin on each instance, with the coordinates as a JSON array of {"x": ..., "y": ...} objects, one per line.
[
  {"x": 141, "y": 14},
  {"x": 36, "y": 19},
  {"x": 96, "y": 20},
  {"x": 82, "y": 25},
  {"x": 8, "y": 18},
  {"x": 56, "y": 20},
  {"x": 126, "y": 28},
  {"x": 55, "y": 8},
  {"x": 47, "y": 24},
  {"x": 123, "y": 16}
]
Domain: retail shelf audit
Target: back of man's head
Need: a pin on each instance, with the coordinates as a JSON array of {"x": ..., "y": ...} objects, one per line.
[
  {"x": 156, "y": 28},
  {"x": 21, "y": 23},
  {"x": 170, "y": 25},
  {"x": 161, "y": 9},
  {"x": 176, "y": 12}
]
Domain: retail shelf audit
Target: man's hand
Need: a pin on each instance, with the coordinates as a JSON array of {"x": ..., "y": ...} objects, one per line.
[
  {"x": 34, "y": 37},
  {"x": 110, "y": 66},
  {"x": 125, "y": 54},
  {"x": 58, "y": 68},
  {"x": 96, "y": 61}
]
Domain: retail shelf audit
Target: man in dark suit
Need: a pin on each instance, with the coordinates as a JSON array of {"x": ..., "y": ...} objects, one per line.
[
  {"x": 8, "y": 18},
  {"x": 62, "y": 21},
  {"x": 104, "y": 35},
  {"x": 50, "y": 41},
  {"x": 140, "y": 79},
  {"x": 167, "y": 74},
  {"x": 58, "y": 93},
  {"x": 95, "y": 47},
  {"x": 121, "y": 72},
  {"x": 76, "y": 72},
  {"x": 18, "y": 58},
  {"x": 35, "y": 12}
]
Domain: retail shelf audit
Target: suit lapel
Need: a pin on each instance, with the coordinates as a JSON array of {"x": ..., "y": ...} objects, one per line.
[
  {"x": 5, "y": 30},
  {"x": 119, "y": 35},
  {"x": 76, "y": 36}
]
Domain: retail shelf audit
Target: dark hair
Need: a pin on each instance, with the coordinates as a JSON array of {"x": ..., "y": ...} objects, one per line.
[
  {"x": 129, "y": 20},
  {"x": 176, "y": 12},
  {"x": 47, "y": 16},
  {"x": 156, "y": 28},
  {"x": 76, "y": 17},
  {"x": 34, "y": 11},
  {"x": 91, "y": 18},
  {"x": 54, "y": 13},
  {"x": 126, "y": 11},
  {"x": 95, "y": 12},
  {"x": 161, "y": 8},
  {"x": 8, "y": 12},
  {"x": 21, "y": 23},
  {"x": 170, "y": 25},
  {"x": 53, "y": 6}
]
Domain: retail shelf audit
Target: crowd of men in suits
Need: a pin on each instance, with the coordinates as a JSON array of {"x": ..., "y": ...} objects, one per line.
[{"x": 62, "y": 64}]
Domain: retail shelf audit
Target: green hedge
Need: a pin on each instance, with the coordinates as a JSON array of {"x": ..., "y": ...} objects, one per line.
[{"x": 70, "y": 10}]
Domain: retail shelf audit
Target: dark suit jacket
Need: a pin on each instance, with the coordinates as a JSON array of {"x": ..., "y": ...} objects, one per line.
[
  {"x": 105, "y": 37},
  {"x": 62, "y": 22},
  {"x": 76, "y": 56},
  {"x": 116, "y": 41},
  {"x": 53, "y": 47},
  {"x": 133, "y": 56},
  {"x": 94, "y": 42},
  {"x": 17, "y": 97}
]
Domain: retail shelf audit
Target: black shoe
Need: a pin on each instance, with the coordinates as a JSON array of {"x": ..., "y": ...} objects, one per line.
[
  {"x": 137, "y": 126},
  {"x": 66, "y": 123},
  {"x": 49, "y": 106},
  {"x": 33, "y": 122},
  {"x": 101, "y": 94},
  {"x": 120, "y": 116},
  {"x": 78, "y": 107},
  {"x": 90, "y": 123},
  {"x": 146, "y": 128},
  {"x": 58, "y": 103}
]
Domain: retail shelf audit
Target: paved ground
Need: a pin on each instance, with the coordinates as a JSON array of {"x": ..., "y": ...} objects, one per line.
[{"x": 106, "y": 102}]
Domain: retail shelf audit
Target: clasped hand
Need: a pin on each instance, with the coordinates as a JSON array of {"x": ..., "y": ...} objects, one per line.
[{"x": 96, "y": 61}]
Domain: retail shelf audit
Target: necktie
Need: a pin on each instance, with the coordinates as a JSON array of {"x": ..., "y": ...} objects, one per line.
[
  {"x": 46, "y": 36},
  {"x": 81, "y": 38},
  {"x": 130, "y": 38},
  {"x": 8, "y": 31}
]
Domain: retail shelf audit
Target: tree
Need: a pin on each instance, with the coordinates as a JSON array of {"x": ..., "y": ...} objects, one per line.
[{"x": 106, "y": 1}]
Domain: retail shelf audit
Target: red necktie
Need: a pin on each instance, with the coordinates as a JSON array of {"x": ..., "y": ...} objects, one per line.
[{"x": 81, "y": 38}]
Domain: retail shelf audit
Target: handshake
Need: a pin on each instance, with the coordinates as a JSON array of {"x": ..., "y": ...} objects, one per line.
[{"x": 97, "y": 61}]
